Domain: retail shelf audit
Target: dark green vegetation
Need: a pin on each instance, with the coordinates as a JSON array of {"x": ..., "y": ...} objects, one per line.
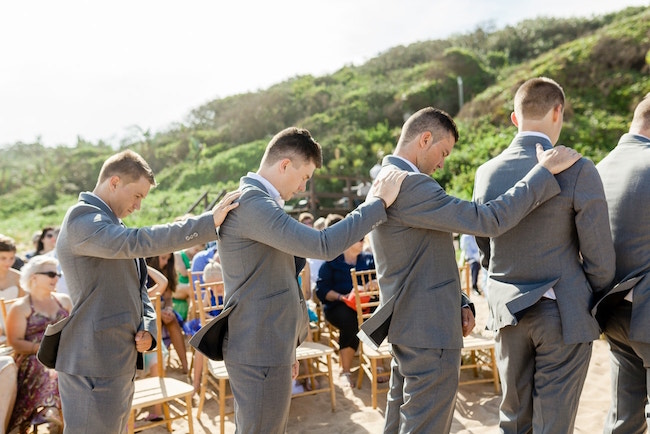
[{"x": 602, "y": 62}]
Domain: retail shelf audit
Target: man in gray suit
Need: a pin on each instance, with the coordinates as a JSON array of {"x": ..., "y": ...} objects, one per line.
[
  {"x": 418, "y": 273},
  {"x": 543, "y": 273},
  {"x": 257, "y": 246},
  {"x": 113, "y": 321},
  {"x": 626, "y": 179}
]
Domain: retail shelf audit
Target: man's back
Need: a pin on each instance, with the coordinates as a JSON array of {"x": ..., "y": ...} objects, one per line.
[
  {"x": 626, "y": 179},
  {"x": 544, "y": 250}
]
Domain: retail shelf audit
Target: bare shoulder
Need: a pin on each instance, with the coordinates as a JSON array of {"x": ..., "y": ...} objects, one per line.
[
  {"x": 64, "y": 299},
  {"x": 21, "y": 305}
]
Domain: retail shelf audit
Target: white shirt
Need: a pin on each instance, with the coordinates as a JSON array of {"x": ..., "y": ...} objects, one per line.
[{"x": 275, "y": 194}]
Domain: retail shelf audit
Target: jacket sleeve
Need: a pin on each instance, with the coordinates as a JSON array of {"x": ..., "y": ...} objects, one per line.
[
  {"x": 593, "y": 230},
  {"x": 148, "y": 317}
]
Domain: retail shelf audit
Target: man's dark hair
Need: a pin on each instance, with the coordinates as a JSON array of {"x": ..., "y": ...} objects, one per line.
[
  {"x": 7, "y": 244},
  {"x": 295, "y": 144},
  {"x": 438, "y": 122}
]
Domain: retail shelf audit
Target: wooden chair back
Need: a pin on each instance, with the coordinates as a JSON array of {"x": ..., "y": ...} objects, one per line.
[
  {"x": 366, "y": 292},
  {"x": 203, "y": 294}
]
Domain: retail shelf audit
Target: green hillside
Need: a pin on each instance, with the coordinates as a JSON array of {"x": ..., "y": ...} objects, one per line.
[{"x": 603, "y": 63}]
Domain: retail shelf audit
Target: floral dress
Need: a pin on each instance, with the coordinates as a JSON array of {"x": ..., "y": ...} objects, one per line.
[{"x": 38, "y": 386}]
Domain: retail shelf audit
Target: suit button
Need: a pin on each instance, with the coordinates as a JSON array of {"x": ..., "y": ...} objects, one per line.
[{"x": 537, "y": 203}]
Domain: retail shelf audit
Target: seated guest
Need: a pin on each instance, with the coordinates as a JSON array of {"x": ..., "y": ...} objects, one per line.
[
  {"x": 334, "y": 282},
  {"x": 171, "y": 320},
  {"x": 37, "y": 399},
  {"x": 9, "y": 277},
  {"x": 47, "y": 241}
]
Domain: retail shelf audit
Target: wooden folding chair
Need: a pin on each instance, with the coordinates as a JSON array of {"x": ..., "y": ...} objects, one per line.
[
  {"x": 318, "y": 356},
  {"x": 366, "y": 292},
  {"x": 213, "y": 373},
  {"x": 169, "y": 392},
  {"x": 479, "y": 354}
]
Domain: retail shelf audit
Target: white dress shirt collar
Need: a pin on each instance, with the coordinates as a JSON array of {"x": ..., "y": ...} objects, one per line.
[
  {"x": 275, "y": 194},
  {"x": 415, "y": 169}
]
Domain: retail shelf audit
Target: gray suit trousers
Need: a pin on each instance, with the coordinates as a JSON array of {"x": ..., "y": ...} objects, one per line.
[
  {"x": 541, "y": 376},
  {"x": 423, "y": 385},
  {"x": 99, "y": 405},
  {"x": 630, "y": 368},
  {"x": 262, "y": 397}
]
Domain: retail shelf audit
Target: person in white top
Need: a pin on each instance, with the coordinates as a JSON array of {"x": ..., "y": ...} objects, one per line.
[{"x": 9, "y": 277}]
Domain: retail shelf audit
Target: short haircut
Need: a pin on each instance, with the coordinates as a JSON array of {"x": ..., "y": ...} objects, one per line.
[
  {"x": 296, "y": 144},
  {"x": 7, "y": 244},
  {"x": 438, "y": 122},
  {"x": 536, "y": 97},
  {"x": 641, "y": 120},
  {"x": 128, "y": 165},
  {"x": 305, "y": 215},
  {"x": 33, "y": 266},
  {"x": 212, "y": 272}
]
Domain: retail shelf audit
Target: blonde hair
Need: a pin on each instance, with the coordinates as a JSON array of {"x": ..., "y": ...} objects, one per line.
[
  {"x": 35, "y": 265},
  {"x": 212, "y": 272}
]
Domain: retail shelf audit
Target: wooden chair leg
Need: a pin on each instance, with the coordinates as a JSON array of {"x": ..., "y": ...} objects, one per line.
[
  {"x": 203, "y": 387},
  {"x": 222, "y": 405},
  {"x": 495, "y": 371},
  {"x": 373, "y": 369},
  {"x": 165, "y": 407},
  {"x": 331, "y": 381},
  {"x": 473, "y": 359},
  {"x": 190, "y": 419},
  {"x": 131, "y": 422}
]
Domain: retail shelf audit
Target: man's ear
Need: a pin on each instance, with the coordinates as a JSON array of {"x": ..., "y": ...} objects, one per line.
[
  {"x": 284, "y": 164},
  {"x": 426, "y": 140},
  {"x": 513, "y": 119},
  {"x": 557, "y": 112},
  {"x": 113, "y": 182}
]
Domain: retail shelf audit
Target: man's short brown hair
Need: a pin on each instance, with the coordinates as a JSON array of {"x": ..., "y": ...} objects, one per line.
[
  {"x": 536, "y": 97},
  {"x": 295, "y": 144},
  {"x": 128, "y": 165},
  {"x": 438, "y": 122},
  {"x": 7, "y": 244}
]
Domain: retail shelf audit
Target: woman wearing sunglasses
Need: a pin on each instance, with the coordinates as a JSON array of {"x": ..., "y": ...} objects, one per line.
[{"x": 37, "y": 399}]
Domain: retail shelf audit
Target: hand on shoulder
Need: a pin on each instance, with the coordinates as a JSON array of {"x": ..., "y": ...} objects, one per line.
[{"x": 557, "y": 159}]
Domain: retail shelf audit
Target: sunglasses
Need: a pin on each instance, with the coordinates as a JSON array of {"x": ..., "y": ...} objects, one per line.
[{"x": 50, "y": 274}]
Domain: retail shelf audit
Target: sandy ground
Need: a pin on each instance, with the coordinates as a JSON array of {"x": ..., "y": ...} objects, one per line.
[{"x": 476, "y": 409}]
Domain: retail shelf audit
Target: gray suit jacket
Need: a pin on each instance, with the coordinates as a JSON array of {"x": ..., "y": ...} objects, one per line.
[
  {"x": 625, "y": 173},
  {"x": 110, "y": 304},
  {"x": 564, "y": 244},
  {"x": 257, "y": 245},
  {"x": 416, "y": 259}
]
